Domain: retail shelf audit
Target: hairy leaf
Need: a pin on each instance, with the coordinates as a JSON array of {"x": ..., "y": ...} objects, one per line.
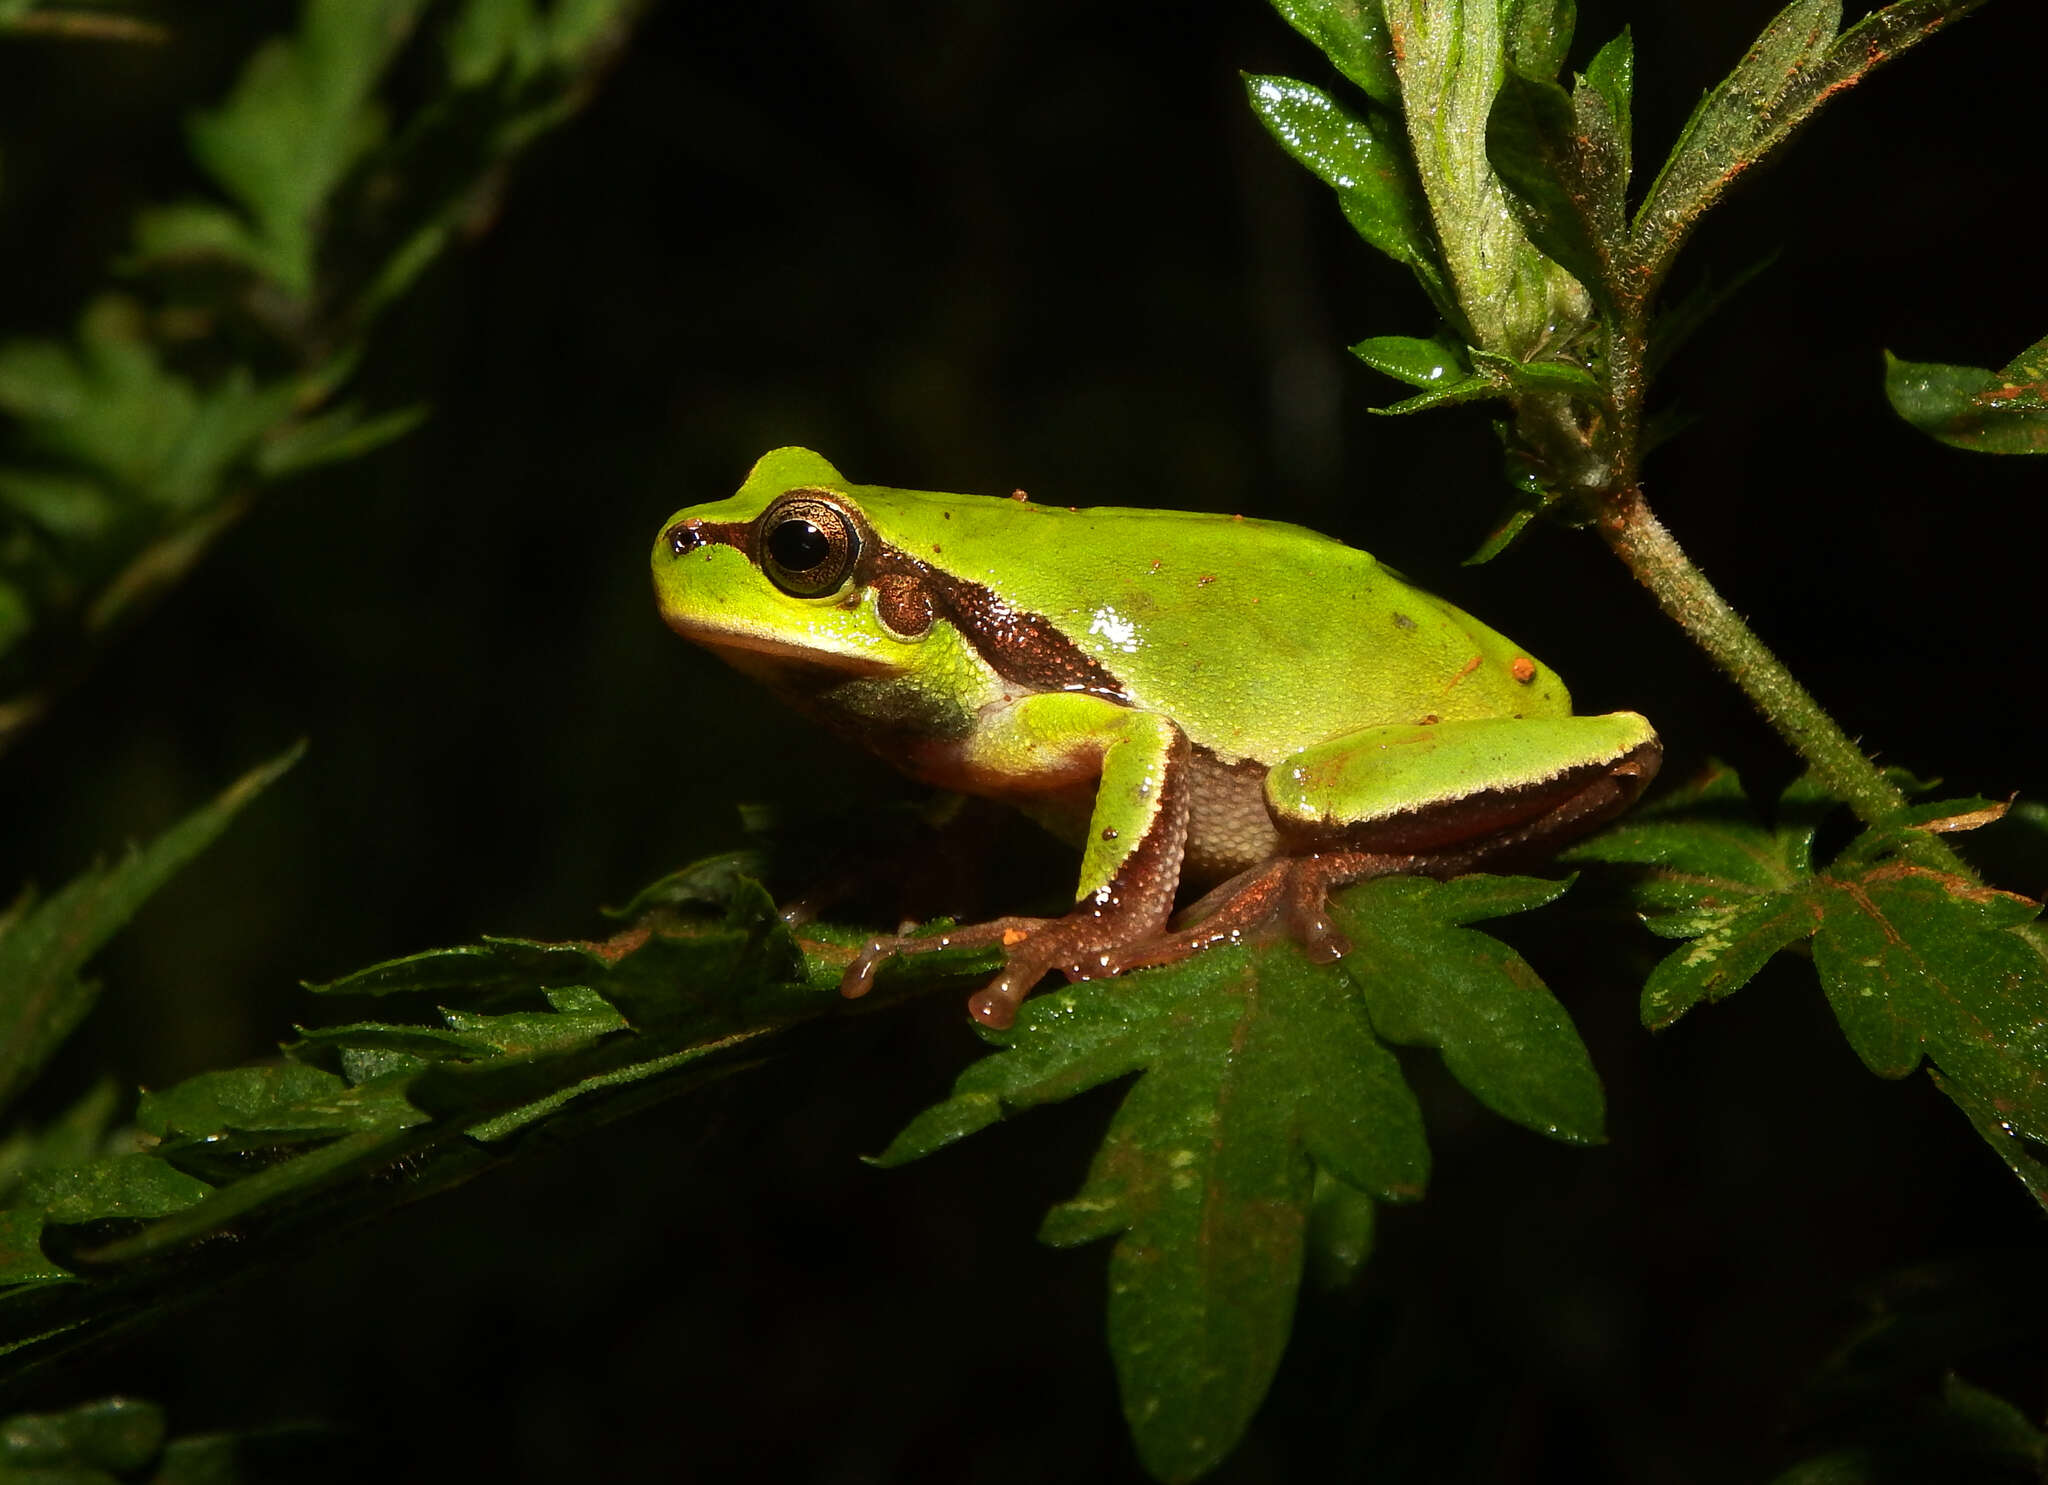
[
  {"x": 1566, "y": 174},
  {"x": 1966, "y": 407},
  {"x": 1795, "y": 66},
  {"x": 43, "y": 949},
  {"x": 1267, "y": 1116}
]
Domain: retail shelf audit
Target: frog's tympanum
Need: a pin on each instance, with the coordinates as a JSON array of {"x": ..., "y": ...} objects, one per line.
[{"x": 1188, "y": 698}]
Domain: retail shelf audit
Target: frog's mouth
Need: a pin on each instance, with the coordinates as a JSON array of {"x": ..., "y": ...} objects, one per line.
[{"x": 759, "y": 653}]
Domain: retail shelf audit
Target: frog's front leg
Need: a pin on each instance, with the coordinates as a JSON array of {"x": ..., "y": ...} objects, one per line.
[{"x": 1048, "y": 746}]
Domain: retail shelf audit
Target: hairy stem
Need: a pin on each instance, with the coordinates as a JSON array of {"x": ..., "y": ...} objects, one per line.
[{"x": 1683, "y": 592}]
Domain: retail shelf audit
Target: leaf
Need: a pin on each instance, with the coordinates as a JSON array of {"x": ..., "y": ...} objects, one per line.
[
  {"x": 42, "y": 999},
  {"x": 118, "y": 1433},
  {"x": 299, "y": 118},
  {"x": 1268, "y": 1114},
  {"x": 1566, "y": 173},
  {"x": 1795, "y": 66},
  {"x": 117, "y": 1186},
  {"x": 1353, "y": 35},
  {"x": 1364, "y": 161},
  {"x": 1966, "y": 407},
  {"x": 1539, "y": 35},
  {"x": 1916, "y": 964}
]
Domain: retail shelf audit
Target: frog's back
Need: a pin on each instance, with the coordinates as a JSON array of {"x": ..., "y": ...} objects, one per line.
[{"x": 1259, "y": 638}]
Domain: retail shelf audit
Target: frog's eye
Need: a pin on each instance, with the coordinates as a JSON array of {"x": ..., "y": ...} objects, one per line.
[{"x": 808, "y": 544}]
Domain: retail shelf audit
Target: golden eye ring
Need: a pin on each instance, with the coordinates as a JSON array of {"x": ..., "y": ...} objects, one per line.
[{"x": 807, "y": 542}]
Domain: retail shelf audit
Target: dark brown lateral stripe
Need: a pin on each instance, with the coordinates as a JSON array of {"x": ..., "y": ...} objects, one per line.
[{"x": 1024, "y": 648}]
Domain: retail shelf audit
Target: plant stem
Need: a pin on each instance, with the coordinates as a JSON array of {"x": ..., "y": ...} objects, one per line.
[{"x": 1683, "y": 592}]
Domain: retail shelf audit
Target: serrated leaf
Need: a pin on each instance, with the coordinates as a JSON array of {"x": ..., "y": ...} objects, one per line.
[
  {"x": 1428, "y": 981},
  {"x": 299, "y": 118},
  {"x": 106, "y": 405},
  {"x": 1967, "y": 407},
  {"x": 42, "y": 998},
  {"x": 1916, "y": 964},
  {"x": 1267, "y": 1116},
  {"x": 1794, "y": 67},
  {"x": 1353, "y": 35},
  {"x": 1364, "y": 161}
]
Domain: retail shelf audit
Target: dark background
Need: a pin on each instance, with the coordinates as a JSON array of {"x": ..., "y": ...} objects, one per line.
[{"x": 979, "y": 246}]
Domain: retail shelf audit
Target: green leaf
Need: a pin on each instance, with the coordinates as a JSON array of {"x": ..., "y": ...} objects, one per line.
[
  {"x": 298, "y": 120},
  {"x": 1353, "y": 35},
  {"x": 342, "y": 433},
  {"x": 1612, "y": 76},
  {"x": 1566, "y": 176},
  {"x": 1966, "y": 407},
  {"x": 1916, "y": 964},
  {"x": 1267, "y": 1116},
  {"x": 1795, "y": 66},
  {"x": 42, "y": 998},
  {"x": 282, "y": 1101},
  {"x": 1437, "y": 362},
  {"x": 108, "y": 406},
  {"x": 1364, "y": 162},
  {"x": 1539, "y": 36},
  {"x": 1428, "y": 981},
  {"x": 119, "y": 1434},
  {"x": 116, "y": 1186}
]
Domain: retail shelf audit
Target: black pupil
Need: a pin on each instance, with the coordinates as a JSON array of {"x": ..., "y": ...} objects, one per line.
[{"x": 798, "y": 546}]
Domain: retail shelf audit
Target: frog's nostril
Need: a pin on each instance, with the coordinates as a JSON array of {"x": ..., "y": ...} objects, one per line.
[{"x": 684, "y": 538}]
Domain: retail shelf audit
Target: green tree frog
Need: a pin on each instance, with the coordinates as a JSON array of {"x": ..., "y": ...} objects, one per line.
[{"x": 1190, "y": 699}]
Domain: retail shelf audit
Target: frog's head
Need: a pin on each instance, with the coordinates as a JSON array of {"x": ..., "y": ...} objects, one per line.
[{"x": 783, "y": 574}]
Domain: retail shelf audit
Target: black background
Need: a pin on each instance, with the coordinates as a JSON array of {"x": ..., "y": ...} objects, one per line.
[{"x": 980, "y": 246}]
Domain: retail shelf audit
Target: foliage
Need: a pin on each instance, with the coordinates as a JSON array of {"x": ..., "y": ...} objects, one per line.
[
  {"x": 137, "y": 442},
  {"x": 1267, "y": 1114},
  {"x": 1967, "y": 407},
  {"x": 1916, "y": 962}
]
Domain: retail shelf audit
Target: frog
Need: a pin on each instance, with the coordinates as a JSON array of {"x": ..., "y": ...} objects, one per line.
[{"x": 1197, "y": 702}]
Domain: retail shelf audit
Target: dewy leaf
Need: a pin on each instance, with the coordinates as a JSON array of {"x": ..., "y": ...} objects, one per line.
[
  {"x": 1796, "y": 65},
  {"x": 1441, "y": 366},
  {"x": 1362, "y": 160},
  {"x": 42, "y": 998},
  {"x": 1967, "y": 407},
  {"x": 1353, "y": 35},
  {"x": 1917, "y": 965},
  {"x": 1267, "y": 1117}
]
